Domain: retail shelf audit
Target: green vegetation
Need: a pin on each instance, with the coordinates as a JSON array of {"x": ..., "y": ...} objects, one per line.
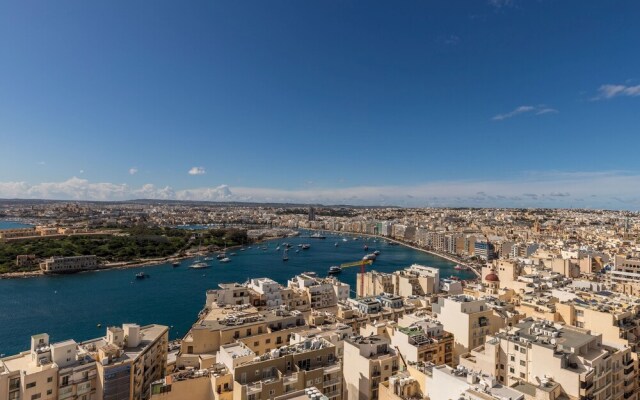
[{"x": 126, "y": 245}]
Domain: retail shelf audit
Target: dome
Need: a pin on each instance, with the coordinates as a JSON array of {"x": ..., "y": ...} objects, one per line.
[{"x": 492, "y": 277}]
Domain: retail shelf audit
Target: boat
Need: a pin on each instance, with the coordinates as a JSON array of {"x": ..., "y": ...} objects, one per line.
[
  {"x": 175, "y": 264},
  {"x": 300, "y": 245},
  {"x": 263, "y": 248},
  {"x": 208, "y": 258},
  {"x": 366, "y": 247},
  {"x": 369, "y": 257},
  {"x": 336, "y": 244},
  {"x": 305, "y": 246},
  {"x": 297, "y": 250},
  {"x": 199, "y": 265},
  {"x": 285, "y": 256},
  {"x": 334, "y": 270},
  {"x": 278, "y": 248},
  {"x": 344, "y": 239},
  {"x": 232, "y": 254},
  {"x": 220, "y": 256},
  {"x": 317, "y": 236},
  {"x": 392, "y": 244},
  {"x": 459, "y": 267},
  {"x": 377, "y": 252},
  {"x": 225, "y": 260},
  {"x": 141, "y": 275}
]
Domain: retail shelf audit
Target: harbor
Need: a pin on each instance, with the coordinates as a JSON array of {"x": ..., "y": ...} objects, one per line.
[{"x": 67, "y": 307}]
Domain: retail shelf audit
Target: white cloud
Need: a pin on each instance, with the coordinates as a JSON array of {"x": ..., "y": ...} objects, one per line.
[
  {"x": 610, "y": 91},
  {"x": 197, "y": 171},
  {"x": 133, "y": 171},
  {"x": 605, "y": 189},
  {"x": 537, "y": 110},
  {"x": 501, "y": 3}
]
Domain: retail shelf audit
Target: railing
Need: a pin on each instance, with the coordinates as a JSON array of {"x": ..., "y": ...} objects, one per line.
[
  {"x": 628, "y": 370},
  {"x": 331, "y": 382}
]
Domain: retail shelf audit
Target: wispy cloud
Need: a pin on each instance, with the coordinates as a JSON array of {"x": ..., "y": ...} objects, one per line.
[
  {"x": 610, "y": 91},
  {"x": 605, "y": 189},
  {"x": 537, "y": 110},
  {"x": 133, "y": 171},
  {"x": 197, "y": 171},
  {"x": 500, "y": 3}
]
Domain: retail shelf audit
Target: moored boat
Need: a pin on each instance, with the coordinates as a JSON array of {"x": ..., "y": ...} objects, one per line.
[{"x": 334, "y": 269}]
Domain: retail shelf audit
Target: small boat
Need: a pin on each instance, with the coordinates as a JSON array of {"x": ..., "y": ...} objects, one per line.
[
  {"x": 220, "y": 256},
  {"x": 208, "y": 258},
  {"x": 305, "y": 246},
  {"x": 300, "y": 245},
  {"x": 199, "y": 265},
  {"x": 297, "y": 251},
  {"x": 336, "y": 244},
  {"x": 232, "y": 254},
  {"x": 278, "y": 248},
  {"x": 225, "y": 260},
  {"x": 285, "y": 256},
  {"x": 344, "y": 239},
  {"x": 334, "y": 270},
  {"x": 317, "y": 236},
  {"x": 175, "y": 264},
  {"x": 366, "y": 247},
  {"x": 263, "y": 248},
  {"x": 99, "y": 325},
  {"x": 141, "y": 275},
  {"x": 377, "y": 252},
  {"x": 369, "y": 257},
  {"x": 242, "y": 249},
  {"x": 459, "y": 267}
]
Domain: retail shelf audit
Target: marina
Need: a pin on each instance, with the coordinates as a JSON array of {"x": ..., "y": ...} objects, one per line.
[{"x": 66, "y": 306}]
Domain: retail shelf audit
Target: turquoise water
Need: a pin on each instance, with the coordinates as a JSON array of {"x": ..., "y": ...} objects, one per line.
[
  {"x": 70, "y": 306},
  {"x": 12, "y": 225}
]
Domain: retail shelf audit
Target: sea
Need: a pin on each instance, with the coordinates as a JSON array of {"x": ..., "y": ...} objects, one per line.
[{"x": 81, "y": 306}]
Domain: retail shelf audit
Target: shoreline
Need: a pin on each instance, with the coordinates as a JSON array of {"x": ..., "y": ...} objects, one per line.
[
  {"x": 412, "y": 246},
  {"x": 150, "y": 262}
]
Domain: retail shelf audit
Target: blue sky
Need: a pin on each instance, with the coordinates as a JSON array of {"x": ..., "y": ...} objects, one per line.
[{"x": 490, "y": 103}]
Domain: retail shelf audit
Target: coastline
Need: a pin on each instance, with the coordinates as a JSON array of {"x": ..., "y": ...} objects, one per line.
[
  {"x": 149, "y": 262},
  {"x": 412, "y": 246}
]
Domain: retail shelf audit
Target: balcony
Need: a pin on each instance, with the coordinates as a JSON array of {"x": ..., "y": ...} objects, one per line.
[
  {"x": 254, "y": 388},
  {"x": 628, "y": 362},
  {"x": 290, "y": 379},
  {"x": 628, "y": 370},
  {"x": 332, "y": 382},
  {"x": 333, "y": 393},
  {"x": 628, "y": 394},
  {"x": 375, "y": 372}
]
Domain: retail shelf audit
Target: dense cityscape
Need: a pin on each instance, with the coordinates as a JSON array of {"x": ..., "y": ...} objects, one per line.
[
  {"x": 319, "y": 200},
  {"x": 551, "y": 311}
]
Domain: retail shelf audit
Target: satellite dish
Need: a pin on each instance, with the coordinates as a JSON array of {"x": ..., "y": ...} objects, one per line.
[{"x": 553, "y": 342}]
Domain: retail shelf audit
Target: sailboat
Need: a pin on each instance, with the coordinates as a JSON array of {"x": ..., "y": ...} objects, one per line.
[{"x": 199, "y": 264}]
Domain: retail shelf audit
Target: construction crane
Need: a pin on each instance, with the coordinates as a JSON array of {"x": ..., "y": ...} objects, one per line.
[{"x": 360, "y": 263}]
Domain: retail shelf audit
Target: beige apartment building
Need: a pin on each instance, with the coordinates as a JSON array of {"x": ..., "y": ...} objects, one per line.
[
  {"x": 467, "y": 319},
  {"x": 421, "y": 339},
  {"x": 120, "y": 366},
  {"x": 286, "y": 369},
  {"x": 541, "y": 351},
  {"x": 416, "y": 280},
  {"x": 369, "y": 361},
  {"x": 612, "y": 316},
  {"x": 225, "y": 325}
]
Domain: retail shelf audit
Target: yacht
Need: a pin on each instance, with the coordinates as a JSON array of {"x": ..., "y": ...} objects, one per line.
[
  {"x": 369, "y": 257},
  {"x": 175, "y": 264},
  {"x": 334, "y": 270},
  {"x": 199, "y": 265},
  {"x": 317, "y": 236},
  {"x": 225, "y": 260},
  {"x": 141, "y": 275},
  {"x": 377, "y": 252},
  {"x": 305, "y": 246}
]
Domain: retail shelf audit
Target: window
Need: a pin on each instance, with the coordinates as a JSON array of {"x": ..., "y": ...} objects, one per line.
[
  {"x": 513, "y": 358},
  {"x": 272, "y": 392},
  {"x": 522, "y": 375},
  {"x": 50, "y": 379},
  {"x": 36, "y": 396},
  {"x": 248, "y": 332},
  {"x": 257, "y": 372},
  {"x": 65, "y": 380},
  {"x": 49, "y": 392},
  {"x": 523, "y": 363},
  {"x": 511, "y": 370},
  {"x": 30, "y": 385},
  {"x": 256, "y": 344},
  {"x": 319, "y": 359},
  {"x": 523, "y": 350},
  {"x": 516, "y": 347},
  {"x": 267, "y": 341}
]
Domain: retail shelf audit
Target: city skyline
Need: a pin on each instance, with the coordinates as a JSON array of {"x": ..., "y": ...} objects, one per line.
[{"x": 491, "y": 103}]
